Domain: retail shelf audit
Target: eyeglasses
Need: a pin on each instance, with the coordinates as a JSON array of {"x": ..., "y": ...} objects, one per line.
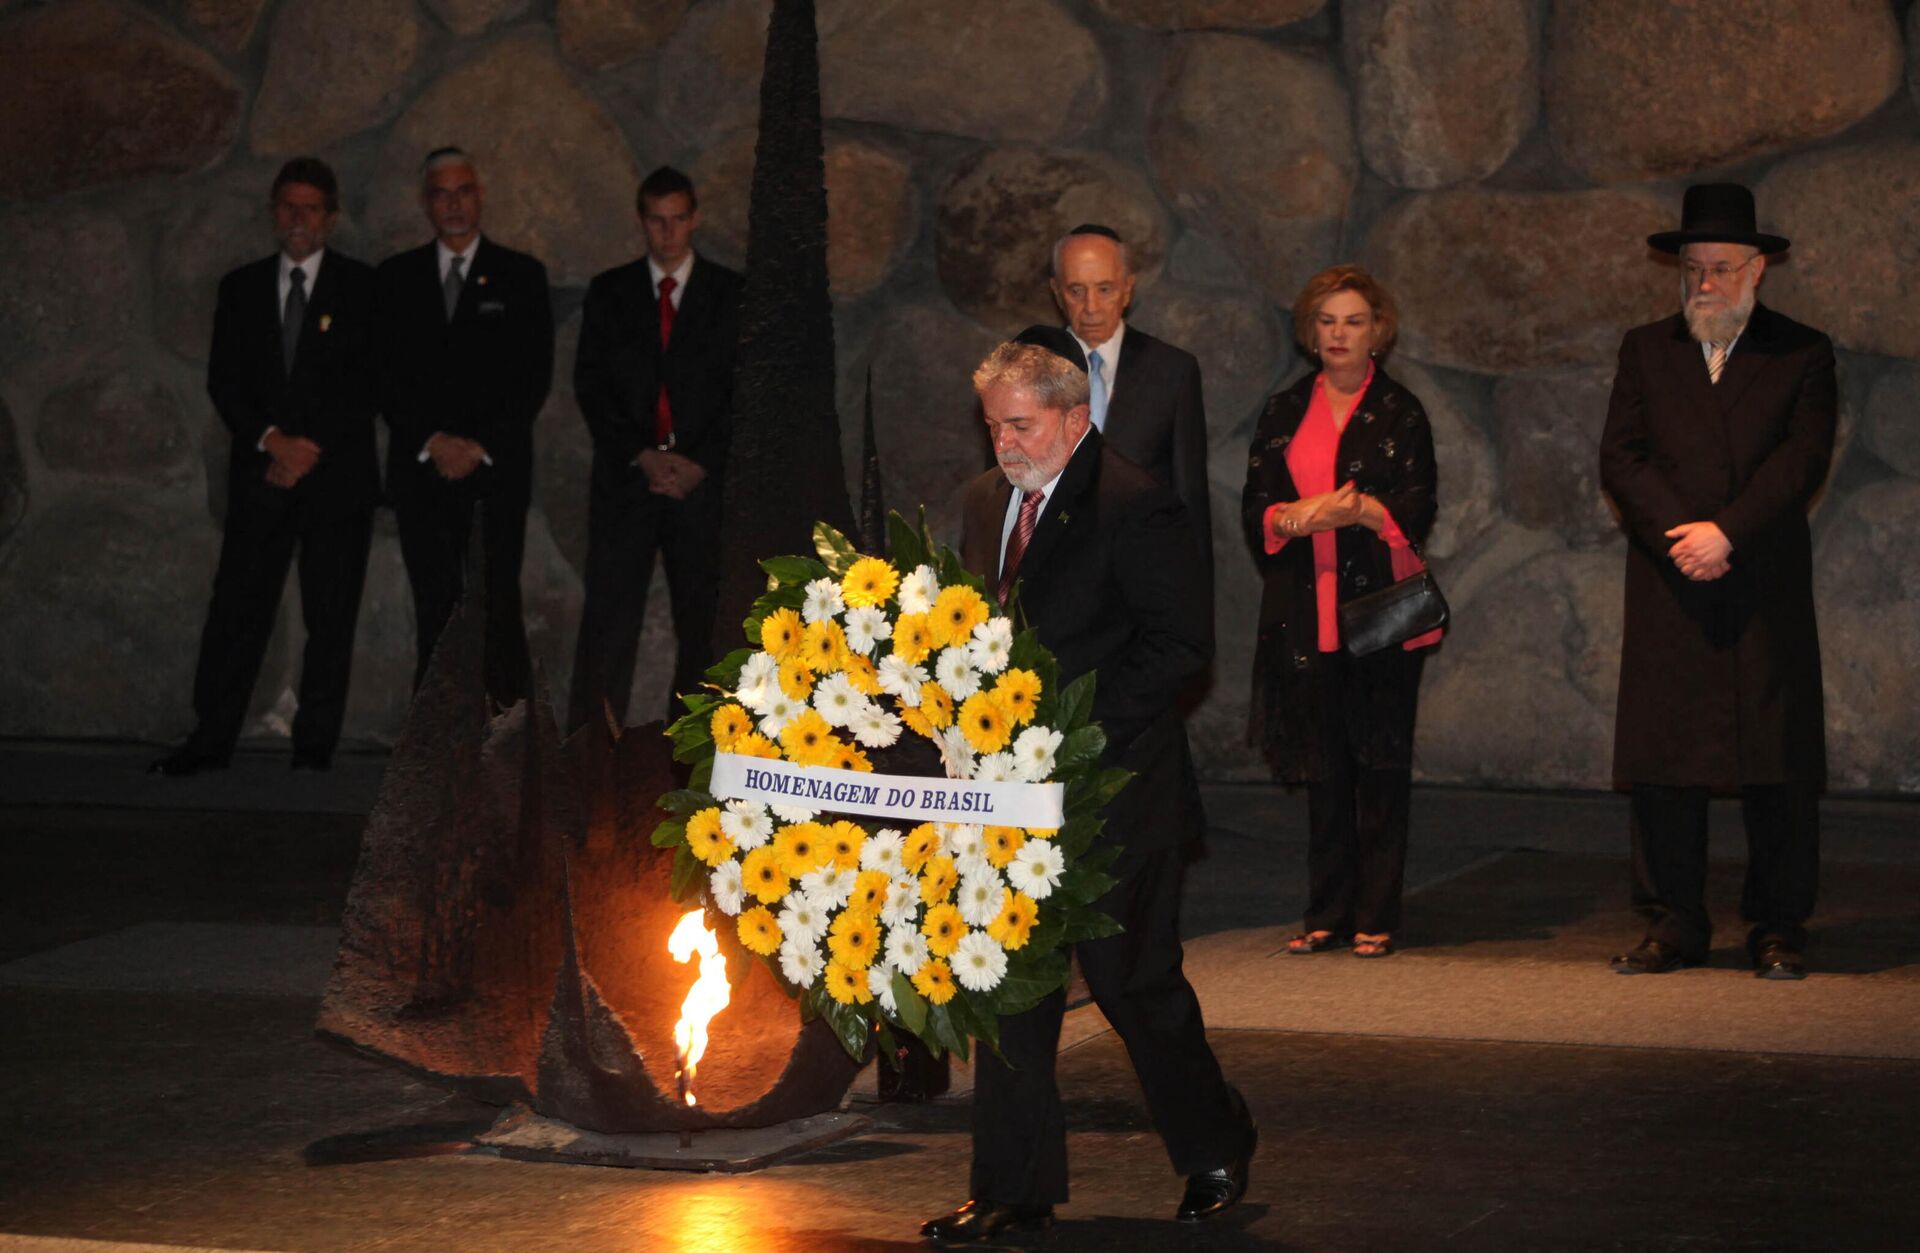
[{"x": 1720, "y": 273}]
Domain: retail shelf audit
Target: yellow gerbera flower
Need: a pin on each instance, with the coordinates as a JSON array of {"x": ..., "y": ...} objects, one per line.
[
  {"x": 922, "y": 842},
  {"x": 983, "y": 720},
  {"x": 854, "y": 938},
  {"x": 763, "y": 875},
  {"x": 934, "y": 980},
  {"x": 704, "y": 837},
  {"x": 916, "y": 721},
  {"x": 849, "y": 987},
  {"x": 870, "y": 581},
  {"x": 869, "y": 891},
  {"x": 808, "y": 739},
  {"x": 935, "y": 702},
  {"x": 795, "y": 679},
  {"x": 802, "y": 847},
  {"x": 956, "y": 611},
  {"x": 944, "y": 929},
  {"x": 1019, "y": 692},
  {"x": 1015, "y": 922},
  {"x": 754, "y": 744},
  {"x": 847, "y": 757},
  {"x": 912, "y": 638},
  {"x": 843, "y": 844},
  {"x": 781, "y": 632},
  {"x": 824, "y": 646},
  {"x": 1042, "y": 833},
  {"x": 759, "y": 931},
  {"x": 863, "y": 676},
  {"x": 937, "y": 880},
  {"x": 729, "y": 723},
  {"x": 1002, "y": 843}
]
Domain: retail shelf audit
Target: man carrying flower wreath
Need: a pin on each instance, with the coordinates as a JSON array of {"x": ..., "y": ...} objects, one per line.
[{"x": 1099, "y": 560}]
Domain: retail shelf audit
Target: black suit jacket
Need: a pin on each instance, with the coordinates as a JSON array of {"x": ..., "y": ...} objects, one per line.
[
  {"x": 330, "y": 395},
  {"x": 621, "y": 366},
  {"x": 1112, "y": 582},
  {"x": 1157, "y": 419},
  {"x": 482, "y": 376}
]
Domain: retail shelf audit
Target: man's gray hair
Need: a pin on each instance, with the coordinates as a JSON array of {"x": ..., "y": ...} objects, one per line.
[
  {"x": 1054, "y": 381},
  {"x": 1060, "y": 244},
  {"x": 441, "y": 158}
]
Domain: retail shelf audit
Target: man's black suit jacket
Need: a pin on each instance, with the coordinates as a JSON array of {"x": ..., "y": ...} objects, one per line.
[
  {"x": 331, "y": 394},
  {"x": 621, "y": 366},
  {"x": 1113, "y": 583},
  {"x": 482, "y": 376},
  {"x": 1157, "y": 419}
]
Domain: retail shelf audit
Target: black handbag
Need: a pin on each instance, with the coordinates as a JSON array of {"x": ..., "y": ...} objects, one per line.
[{"x": 1393, "y": 615}]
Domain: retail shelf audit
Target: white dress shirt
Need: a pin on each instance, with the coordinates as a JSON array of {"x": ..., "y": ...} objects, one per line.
[
  {"x": 679, "y": 274},
  {"x": 446, "y": 256},
  {"x": 287, "y": 266},
  {"x": 1017, "y": 496}
]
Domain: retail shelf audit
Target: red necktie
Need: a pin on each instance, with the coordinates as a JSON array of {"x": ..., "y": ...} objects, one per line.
[
  {"x": 1030, "y": 504},
  {"x": 662, "y": 410}
]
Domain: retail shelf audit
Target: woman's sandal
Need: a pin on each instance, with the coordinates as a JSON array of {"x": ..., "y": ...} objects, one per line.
[
  {"x": 1379, "y": 947},
  {"x": 1311, "y": 942}
]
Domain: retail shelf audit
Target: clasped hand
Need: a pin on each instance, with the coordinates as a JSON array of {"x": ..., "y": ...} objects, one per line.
[
  {"x": 1327, "y": 511},
  {"x": 669, "y": 473},
  {"x": 1700, "y": 551},
  {"x": 453, "y": 456},
  {"x": 293, "y": 457}
]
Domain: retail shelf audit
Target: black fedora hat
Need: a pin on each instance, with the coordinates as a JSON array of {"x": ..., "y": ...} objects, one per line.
[{"x": 1717, "y": 213}]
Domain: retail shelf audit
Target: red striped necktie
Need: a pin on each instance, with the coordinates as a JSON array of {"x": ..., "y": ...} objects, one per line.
[
  {"x": 662, "y": 410},
  {"x": 1030, "y": 504}
]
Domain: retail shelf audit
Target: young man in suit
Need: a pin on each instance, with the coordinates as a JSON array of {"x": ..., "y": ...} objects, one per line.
[
  {"x": 291, "y": 372},
  {"x": 1718, "y": 433},
  {"x": 1145, "y": 393},
  {"x": 468, "y": 338},
  {"x": 654, "y": 378},
  {"x": 1108, "y": 573}
]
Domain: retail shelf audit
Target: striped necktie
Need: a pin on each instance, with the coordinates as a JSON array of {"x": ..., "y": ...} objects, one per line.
[
  {"x": 1717, "y": 362},
  {"x": 1030, "y": 503}
]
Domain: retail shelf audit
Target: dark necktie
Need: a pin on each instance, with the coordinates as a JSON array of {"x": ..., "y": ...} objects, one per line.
[
  {"x": 293, "y": 315},
  {"x": 451, "y": 288},
  {"x": 1030, "y": 503},
  {"x": 662, "y": 408}
]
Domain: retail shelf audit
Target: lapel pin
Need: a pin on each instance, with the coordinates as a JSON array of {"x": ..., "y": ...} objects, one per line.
[
  {"x": 1064, "y": 518},
  {"x": 326, "y": 320},
  {"x": 483, "y": 280}
]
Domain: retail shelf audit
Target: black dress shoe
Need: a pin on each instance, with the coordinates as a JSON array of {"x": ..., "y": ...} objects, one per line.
[
  {"x": 1776, "y": 959},
  {"x": 312, "y": 761},
  {"x": 186, "y": 761},
  {"x": 1211, "y": 1191},
  {"x": 976, "y": 1220},
  {"x": 1651, "y": 957}
]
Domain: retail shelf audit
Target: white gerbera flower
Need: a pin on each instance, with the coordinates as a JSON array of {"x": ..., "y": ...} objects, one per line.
[
  {"x": 882, "y": 851},
  {"x": 902, "y": 903},
  {"x": 779, "y": 710},
  {"x": 991, "y": 645},
  {"x": 746, "y": 823},
  {"x": 1036, "y": 869},
  {"x": 823, "y": 600},
  {"x": 837, "y": 699},
  {"x": 803, "y": 920},
  {"x": 1033, "y": 753},
  {"x": 906, "y": 950},
  {"x": 828, "y": 887},
  {"x": 759, "y": 679},
  {"x": 794, "y": 813},
  {"x": 980, "y": 897},
  {"x": 979, "y": 963},
  {"x": 900, "y": 680},
  {"x": 727, "y": 888},
  {"x": 956, "y": 673},
  {"x": 800, "y": 964},
  {"x": 955, "y": 753},
  {"x": 996, "y": 768},
  {"x": 866, "y": 626},
  {"x": 975, "y": 867},
  {"x": 965, "y": 839},
  {"x": 874, "y": 727},
  {"x": 880, "y": 983},
  {"x": 918, "y": 589}
]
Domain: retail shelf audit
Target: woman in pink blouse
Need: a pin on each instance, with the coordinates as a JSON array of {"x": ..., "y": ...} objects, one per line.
[{"x": 1340, "y": 489}]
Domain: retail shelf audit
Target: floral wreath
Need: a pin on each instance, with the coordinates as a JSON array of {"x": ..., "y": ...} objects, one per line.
[{"x": 938, "y": 929}]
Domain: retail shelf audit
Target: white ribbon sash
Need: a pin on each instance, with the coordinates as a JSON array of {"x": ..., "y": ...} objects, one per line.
[{"x": 907, "y": 798}]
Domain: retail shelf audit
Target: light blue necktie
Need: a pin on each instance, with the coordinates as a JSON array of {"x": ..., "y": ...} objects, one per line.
[{"x": 1097, "y": 393}]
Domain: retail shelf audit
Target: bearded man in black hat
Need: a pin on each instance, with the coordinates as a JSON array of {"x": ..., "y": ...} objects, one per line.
[{"x": 1718, "y": 434}]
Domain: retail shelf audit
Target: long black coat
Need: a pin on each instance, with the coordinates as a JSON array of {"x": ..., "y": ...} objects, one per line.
[
  {"x": 1386, "y": 449},
  {"x": 1112, "y": 583},
  {"x": 1720, "y": 681}
]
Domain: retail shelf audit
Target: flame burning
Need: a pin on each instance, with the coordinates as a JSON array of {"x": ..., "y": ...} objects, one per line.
[{"x": 707, "y": 997}]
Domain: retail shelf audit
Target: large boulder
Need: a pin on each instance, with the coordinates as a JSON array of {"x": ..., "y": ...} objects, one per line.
[
  {"x": 705, "y": 84},
  {"x": 13, "y": 475},
  {"x": 1242, "y": 351},
  {"x": 1444, "y": 90},
  {"x": 1869, "y": 598},
  {"x": 226, "y": 24},
  {"x": 1499, "y": 281},
  {"x": 1547, "y": 430},
  {"x": 115, "y": 423},
  {"x": 1469, "y": 483},
  {"x": 1891, "y": 425},
  {"x": 1640, "y": 89},
  {"x": 563, "y": 455},
  {"x": 559, "y": 176},
  {"x": 1209, "y": 14},
  {"x": 361, "y": 50},
  {"x": 470, "y": 17},
  {"x": 71, "y": 288},
  {"x": 1253, "y": 141},
  {"x": 600, "y": 34},
  {"x": 1853, "y": 271},
  {"x": 101, "y": 601},
  {"x": 97, "y": 93},
  {"x": 992, "y": 69},
  {"x": 1003, "y": 209}
]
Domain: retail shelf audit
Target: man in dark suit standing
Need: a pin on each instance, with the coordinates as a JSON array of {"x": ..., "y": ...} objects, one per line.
[
  {"x": 1109, "y": 574},
  {"x": 468, "y": 336},
  {"x": 1145, "y": 393},
  {"x": 291, "y": 372},
  {"x": 1719, "y": 431},
  {"x": 654, "y": 379}
]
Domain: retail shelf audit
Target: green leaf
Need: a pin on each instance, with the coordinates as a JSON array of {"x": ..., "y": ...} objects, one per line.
[
  {"x": 945, "y": 1030},
  {"x": 686, "y": 867},
  {"x": 1078, "y": 835},
  {"x": 904, "y": 546},
  {"x": 1092, "y": 925},
  {"x": 791, "y": 571},
  {"x": 702, "y": 776},
  {"x": 1084, "y": 885},
  {"x": 978, "y": 1021},
  {"x": 685, "y": 801},
  {"x": 850, "y": 1026},
  {"x": 725, "y": 672},
  {"x": 834, "y": 548},
  {"x": 907, "y": 998},
  {"x": 810, "y": 1002},
  {"x": 1089, "y": 793},
  {"x": 1076, "y": 704},
  {"x": 751, "y": 628},
  {"x": 670, "y": 834},
  {"x": 1046, "y": 934},
  {"x": 1029, "y": 982},
  {"x": 1079, "y": 750}
]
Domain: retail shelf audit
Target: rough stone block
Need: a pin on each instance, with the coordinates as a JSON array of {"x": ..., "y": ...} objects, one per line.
[{"x": 362, "y": 50}]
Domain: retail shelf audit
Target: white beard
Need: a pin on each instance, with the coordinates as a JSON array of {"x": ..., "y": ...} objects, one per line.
[{"x": 1718, "y": 325}]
